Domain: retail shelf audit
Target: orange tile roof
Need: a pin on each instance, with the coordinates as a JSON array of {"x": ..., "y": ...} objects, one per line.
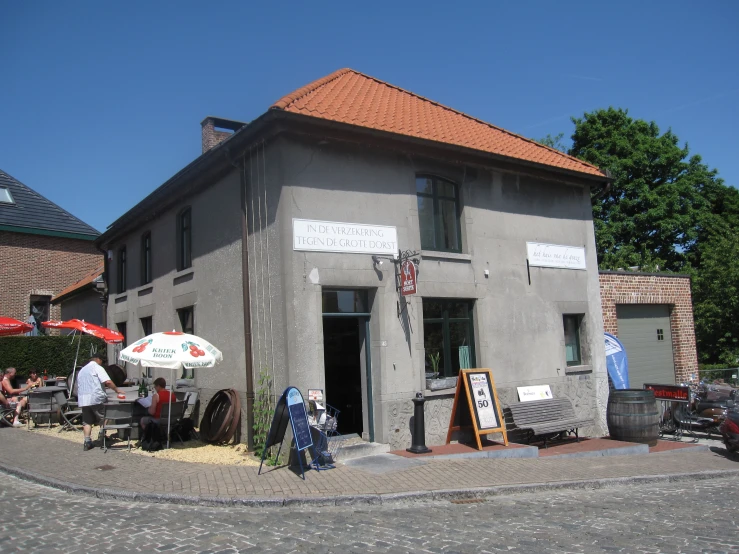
[
  {"x": 82, "y": 283},
  {"x": 347, "y": 96}
]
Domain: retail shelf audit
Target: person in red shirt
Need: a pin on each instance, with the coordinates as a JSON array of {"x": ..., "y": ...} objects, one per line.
[{"x": 160, "y": 397}]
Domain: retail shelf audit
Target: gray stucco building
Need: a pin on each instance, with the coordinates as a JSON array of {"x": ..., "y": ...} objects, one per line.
[{"x": 277, "y": 246}]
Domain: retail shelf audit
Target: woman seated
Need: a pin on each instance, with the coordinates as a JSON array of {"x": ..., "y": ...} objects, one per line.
[
  {"x": 11, "y": 394},
  {"x": 34, "y": 380},
  {"x": 161, "y": 396}
]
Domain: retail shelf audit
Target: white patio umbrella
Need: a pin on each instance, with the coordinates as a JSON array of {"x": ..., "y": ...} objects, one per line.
[{"x": 173, "y": 350}]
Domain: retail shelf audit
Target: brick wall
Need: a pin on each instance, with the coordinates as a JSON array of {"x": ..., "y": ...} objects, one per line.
[
  {"x": 38, "y": 264},
  {"x": 623, "y": 288}
]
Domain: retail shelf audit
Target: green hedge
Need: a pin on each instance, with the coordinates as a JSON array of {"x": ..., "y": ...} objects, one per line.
[{"x": 53, "y": 354}]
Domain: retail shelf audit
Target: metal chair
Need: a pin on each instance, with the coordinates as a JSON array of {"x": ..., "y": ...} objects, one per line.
[
  {"x": 177, "y": 412},
  {"x": 70, "y": 414},
  {"x": 118, "y": 417},
  {"x": 7, "y": 415},
  {"x": 40, "y": 402}
]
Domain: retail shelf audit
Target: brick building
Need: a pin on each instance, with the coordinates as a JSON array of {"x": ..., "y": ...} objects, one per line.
[
  {"x": 43, "y": 249},
  {"x": 652, "y": 315}
]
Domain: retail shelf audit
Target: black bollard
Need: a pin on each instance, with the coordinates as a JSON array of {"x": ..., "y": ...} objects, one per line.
[{"x": 419, "y": 426}]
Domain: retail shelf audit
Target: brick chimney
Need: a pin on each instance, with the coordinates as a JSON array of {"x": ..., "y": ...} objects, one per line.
[{"x": 217, "y": 129}]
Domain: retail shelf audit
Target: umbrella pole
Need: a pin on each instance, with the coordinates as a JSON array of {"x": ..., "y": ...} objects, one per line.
[
  {"x": 169, "y": 412},
  {"x": 74, "y": 367}
]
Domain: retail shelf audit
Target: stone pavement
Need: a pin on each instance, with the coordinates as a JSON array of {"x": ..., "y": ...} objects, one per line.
[{"x": 63, "y": 464}]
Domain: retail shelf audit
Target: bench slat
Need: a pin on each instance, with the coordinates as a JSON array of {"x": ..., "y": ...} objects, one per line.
[{"x": 547, "y": 416}]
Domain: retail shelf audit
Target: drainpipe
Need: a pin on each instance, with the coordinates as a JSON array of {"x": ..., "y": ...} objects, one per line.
[{"x": 247, "y": 310}]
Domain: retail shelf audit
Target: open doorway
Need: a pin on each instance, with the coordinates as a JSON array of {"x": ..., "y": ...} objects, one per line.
[
  {"x": 346, "y": 357},
  {"x": 341, "y": 352}
]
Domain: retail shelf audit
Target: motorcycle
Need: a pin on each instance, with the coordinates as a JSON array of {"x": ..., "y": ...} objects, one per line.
[{"x": 729, "y": 428}]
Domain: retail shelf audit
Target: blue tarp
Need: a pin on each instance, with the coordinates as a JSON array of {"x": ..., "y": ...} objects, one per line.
[{"x": 617, "y": 362}]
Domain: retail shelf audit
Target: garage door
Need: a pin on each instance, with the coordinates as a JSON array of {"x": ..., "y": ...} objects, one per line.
[{"x": 644, "y": 330}]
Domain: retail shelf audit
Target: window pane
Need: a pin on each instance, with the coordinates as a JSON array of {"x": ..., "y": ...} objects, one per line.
[
  {"x": 431, "y": 308},
  {"x": 345, "y": 301},
  {"x": 123, "y": 331},
  {"x": 444, "y": 188},
  {"x": 572, "y": 339},
  {"x": 458, "y": 309},
  {"x": 426, "y": 222},
  {"x": 458, "y": 336},
  {"x": 448, "y": 209},
  {"x": 424, "y": 185},
  {"x": 433, "y": 342},
  {"x": 5, "y": 196}
]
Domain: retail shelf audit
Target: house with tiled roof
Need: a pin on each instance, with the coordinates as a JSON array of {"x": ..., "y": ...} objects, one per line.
[
  {"x": 366, "y": 243},
  {"x": 43, "y": 249}
]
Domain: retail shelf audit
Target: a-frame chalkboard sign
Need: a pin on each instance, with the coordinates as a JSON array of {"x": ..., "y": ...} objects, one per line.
[
  {"x": 290, "y": 407},
  {"x": 481, "y": 411}
]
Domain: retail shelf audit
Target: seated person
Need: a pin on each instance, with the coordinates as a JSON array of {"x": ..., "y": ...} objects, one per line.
[
  {"x": 34, "y": 380},
  {"x": 160, "y": 397},
  {"x": 12, "y": 393}
]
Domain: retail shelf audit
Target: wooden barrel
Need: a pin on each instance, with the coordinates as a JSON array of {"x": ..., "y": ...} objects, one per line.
[{"x": 632, "y": 416}]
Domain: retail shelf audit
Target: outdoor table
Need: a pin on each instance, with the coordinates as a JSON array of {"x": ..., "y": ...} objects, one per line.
[{"x": 138, "y": 410}]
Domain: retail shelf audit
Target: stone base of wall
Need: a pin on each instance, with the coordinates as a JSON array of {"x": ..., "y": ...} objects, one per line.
[{"x": 588, "y": 394}]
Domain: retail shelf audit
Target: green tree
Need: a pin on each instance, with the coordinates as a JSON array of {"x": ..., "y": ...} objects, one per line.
[
  {"x": 649, "y": 216},
  {"x": 666, "y": 210},
  {"x": 554, "y": 142}
]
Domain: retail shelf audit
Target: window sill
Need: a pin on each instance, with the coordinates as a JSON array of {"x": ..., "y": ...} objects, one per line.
[
  {"x": 574, "y": 369},
  {"x": 449, "y": 256},
  {"x": 428, "y": 393}
]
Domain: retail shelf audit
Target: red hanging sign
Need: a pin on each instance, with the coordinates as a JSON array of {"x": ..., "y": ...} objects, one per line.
[{"x": 407, "y": 278}]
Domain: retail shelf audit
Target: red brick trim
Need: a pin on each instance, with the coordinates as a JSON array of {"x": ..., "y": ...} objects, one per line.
[{"x": 621, "y": 288}]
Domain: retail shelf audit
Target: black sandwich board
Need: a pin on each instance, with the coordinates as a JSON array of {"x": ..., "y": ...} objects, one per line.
[
  {"x": 482, "y": 412},
  {"x": 290, "y": 407}
]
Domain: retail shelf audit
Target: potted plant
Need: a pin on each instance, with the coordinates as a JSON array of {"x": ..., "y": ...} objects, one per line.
[{"x": 433, "y": 381}]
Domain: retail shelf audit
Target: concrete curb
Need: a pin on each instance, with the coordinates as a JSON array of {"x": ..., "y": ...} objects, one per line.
[{"x": 387, "y": 499}]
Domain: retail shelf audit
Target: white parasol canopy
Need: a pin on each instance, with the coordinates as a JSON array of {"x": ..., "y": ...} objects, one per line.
[{"x": 171, "y": 350}]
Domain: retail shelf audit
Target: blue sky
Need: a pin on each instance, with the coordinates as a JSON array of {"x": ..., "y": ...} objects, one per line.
[{"x": 102, "y": 102}]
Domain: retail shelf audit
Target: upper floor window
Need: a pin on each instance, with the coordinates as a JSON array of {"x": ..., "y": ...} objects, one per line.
[
  {"x": 572, "y": 338},
  {"x": 184, "y": 239},
  {"x": 5, "y": 196},
  {"x": 146, "y": 259},
  {"x": 122, "y": 263},
  {"x": 438, "y": 214}
]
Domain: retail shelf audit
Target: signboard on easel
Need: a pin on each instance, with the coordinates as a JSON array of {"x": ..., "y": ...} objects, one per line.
[
  {"x": 290, "y": 408},
  {"x": 481, "y": 411}
]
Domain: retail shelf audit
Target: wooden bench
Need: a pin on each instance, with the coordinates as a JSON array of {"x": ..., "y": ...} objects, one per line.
[{"x": 547, "y": 417}]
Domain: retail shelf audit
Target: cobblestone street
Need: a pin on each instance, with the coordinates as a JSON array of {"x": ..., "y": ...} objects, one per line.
[{"x": 695, "y": 516}]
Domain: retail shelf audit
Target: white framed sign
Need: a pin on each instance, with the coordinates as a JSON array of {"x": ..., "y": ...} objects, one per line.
[
  {"x": 483, "y": 400},
  {"x": 536, "y": 392},
  {"x": 555, "y": 255},
  {"x": 355, "y": 238}
]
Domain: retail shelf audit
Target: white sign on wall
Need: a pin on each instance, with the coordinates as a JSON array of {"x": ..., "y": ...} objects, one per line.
[
  {"x": 555, "y": 255},
  {"x": 535, "y": 392},
  {"x": 356, "y": 238}
]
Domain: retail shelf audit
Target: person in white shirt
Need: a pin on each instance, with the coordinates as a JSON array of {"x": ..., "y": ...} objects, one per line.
[{"x": 91, "y": 382}]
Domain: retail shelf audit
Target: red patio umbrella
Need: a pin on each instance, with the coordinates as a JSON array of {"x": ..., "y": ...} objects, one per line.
[
  {"x": 108, "y": 335},
  {"x": 80, "y": 325},
  {"x": 10, "y": 326}
]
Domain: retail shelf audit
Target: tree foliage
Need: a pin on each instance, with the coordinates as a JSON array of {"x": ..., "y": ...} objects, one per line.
[{"x": 666, "y": 210}]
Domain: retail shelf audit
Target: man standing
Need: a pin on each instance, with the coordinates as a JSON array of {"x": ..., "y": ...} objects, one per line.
[{"x": 91, "y": 382}]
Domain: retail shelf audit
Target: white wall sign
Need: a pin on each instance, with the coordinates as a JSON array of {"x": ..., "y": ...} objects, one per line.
[
  {"x": 356, "y": 238},
  {"x": 555, "y": 255},
  {"x": 536, "y": 392}
]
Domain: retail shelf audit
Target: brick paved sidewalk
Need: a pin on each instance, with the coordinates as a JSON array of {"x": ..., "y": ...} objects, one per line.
[{"x": 63, "y": 464}]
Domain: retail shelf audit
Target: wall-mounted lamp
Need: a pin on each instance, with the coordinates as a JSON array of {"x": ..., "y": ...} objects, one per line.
[{"x": 376, "y": 261}]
